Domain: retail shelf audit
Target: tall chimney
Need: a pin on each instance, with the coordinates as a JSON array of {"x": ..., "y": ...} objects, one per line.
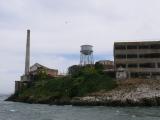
[{"x": 27, "y": 60}]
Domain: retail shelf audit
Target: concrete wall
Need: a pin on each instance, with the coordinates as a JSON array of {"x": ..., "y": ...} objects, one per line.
[{"x": 140, "y": 59}]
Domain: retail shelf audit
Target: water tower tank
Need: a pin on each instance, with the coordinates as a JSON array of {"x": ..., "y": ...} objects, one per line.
[
  {"x": 86, "y": 56},
  {"x": 86, "y": 49}
]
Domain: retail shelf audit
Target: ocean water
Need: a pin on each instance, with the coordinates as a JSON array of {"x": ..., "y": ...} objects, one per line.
[{"x": 22, "y": 111}]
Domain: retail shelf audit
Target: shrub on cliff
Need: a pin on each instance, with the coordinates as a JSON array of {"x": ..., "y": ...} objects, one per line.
[{"x": 81, "y": 82}]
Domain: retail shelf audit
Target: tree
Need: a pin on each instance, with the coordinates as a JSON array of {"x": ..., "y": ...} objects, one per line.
[
  {"x": 74, "y": 70},
  {"x": 99, "y": 66}
]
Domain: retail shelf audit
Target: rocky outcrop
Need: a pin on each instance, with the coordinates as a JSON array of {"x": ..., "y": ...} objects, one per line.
[{"x": 128, "y": 93}]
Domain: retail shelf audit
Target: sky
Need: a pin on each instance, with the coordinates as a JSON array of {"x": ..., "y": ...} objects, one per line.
[{"x": 60, "y": 27}]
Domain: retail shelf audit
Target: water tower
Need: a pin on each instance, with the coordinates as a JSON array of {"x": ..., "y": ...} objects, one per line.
[{"x": 86, "y": 57}]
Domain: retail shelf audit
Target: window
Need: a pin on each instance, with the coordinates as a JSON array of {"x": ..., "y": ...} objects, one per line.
[
  {"x": 147, "y": 65},
  {"x": 121, "y": 65},
  {"x": 132, "y": 56},
  {"x": 158, "y": 65},
  {"x": 155, "y": 46},
  {"x": 151, "y": 55},
  {"x": 120, "y": 47},
  {"x": 120, "y": 56},
  {"x": 143, "y": 47},
  {"x": 131, "y": 47},
  {"x": 132, "y": 65}
]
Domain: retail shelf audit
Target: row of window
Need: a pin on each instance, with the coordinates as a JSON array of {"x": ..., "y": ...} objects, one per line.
[
  {"x": 152, "y": 46},
  {"x": 142, "y": 65},
  {"x": 150, "y": 55},
  {"x": 143, "y": 74}
]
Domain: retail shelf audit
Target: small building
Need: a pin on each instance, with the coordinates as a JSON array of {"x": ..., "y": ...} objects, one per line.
[
  {"x": 107, "y": 64},
  {"x": 26, "y": 80},
  {"x": 34, "y": 70},
  {"x": 121, "y": 74},
  {"x": 108, "y": 67}
]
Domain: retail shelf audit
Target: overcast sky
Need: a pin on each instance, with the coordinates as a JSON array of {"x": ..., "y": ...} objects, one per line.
[{"x": 59, "y": 27}]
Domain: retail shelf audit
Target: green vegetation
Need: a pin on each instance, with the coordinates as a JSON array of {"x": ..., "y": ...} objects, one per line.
[{"x": 80, "y": 81}]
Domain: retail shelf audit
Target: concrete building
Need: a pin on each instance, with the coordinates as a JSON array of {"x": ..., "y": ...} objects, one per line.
[
  {"x": 107, "y": 64},
  {"x": 34, "y": 70},
  {"x": 140, "y": 59}
]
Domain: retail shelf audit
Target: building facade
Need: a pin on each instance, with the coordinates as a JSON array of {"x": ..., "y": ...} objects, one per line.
[
  {"x": 107, "y": 64},
  {"x": 140, "y": 59},
  {"x": 34, "y": 70}
]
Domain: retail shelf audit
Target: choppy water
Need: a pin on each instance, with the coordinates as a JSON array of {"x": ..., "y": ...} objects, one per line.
[{"x": 21, "y": 111}]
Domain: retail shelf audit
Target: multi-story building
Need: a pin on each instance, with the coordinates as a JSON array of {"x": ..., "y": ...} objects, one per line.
[{"x": 140, "y": 59}]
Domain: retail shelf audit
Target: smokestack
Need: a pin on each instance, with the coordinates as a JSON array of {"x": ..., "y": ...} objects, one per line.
[{"x": 27, "y": 60}]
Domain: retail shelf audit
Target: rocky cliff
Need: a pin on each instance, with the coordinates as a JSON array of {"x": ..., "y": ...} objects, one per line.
[{"x": 133, "y": 92}]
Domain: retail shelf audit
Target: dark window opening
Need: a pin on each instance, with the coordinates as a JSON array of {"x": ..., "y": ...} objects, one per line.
[
  {"x": 131, "y": 47},
  {"x": 132, "y": 56},
  {"x": 144, "y": 74},
  {"x": 143, "y": 47},
  {"x": 151, "y": 55},
  {"x": 120, "y": 47},
  {"x": 155, "y": 46},
  {"x": 134, "y": 75},
  {"x": 121, "y": 65},
  {"x": 147, "y": 65},
  {"x": 132, "y": 65},
  {"x": 120, "y": 56},
  {"x": 158, "y": 65},
  {"x": 156, "y": 73}
]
